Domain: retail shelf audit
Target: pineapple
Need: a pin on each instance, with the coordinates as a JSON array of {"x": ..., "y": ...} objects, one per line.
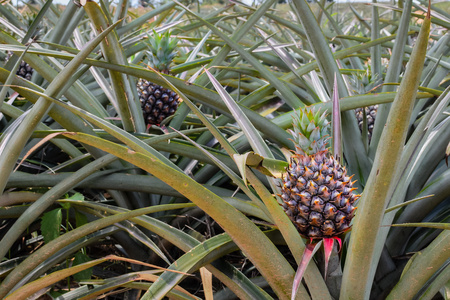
[
  {"x": 157, "y": 102},
  {"x": 371, "y": 113},
  {"x": 316, "y": 191},
  {"x": 24, "y": 70}
]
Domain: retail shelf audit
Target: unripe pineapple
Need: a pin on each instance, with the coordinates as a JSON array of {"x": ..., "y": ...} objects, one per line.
[
  {"x": 157, "y": 102},
  {"x": 371, "y": 113},
  {"x": 316, "y": 191},
  {"x": 24, "y": 70}
]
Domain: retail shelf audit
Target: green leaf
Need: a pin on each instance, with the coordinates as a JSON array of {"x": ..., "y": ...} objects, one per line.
[
  {"x": 253, "y": 136},
  {"x": 398, "y": 206},
  {"x": 444, "y": 226},
  {"x": 447, "y": 153},
  {"x": 275, "y": 167},
  {"x": 77, "y": 196},
  {"x": 79, "y": 259},
  {"x": 129, "y": 108},
  {"x": 65, "y": 206},
  {"x": 51, "y": 224},
  {"x": 80, "y": 219}
]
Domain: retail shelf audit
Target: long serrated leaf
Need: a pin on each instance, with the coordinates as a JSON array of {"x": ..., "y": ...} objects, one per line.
[
  {"x": 129, "y": 109},
  {"x": 207, "y": 283},
  {"x": 398, "y": 206},
  {"x": 253, "y": 136},
  {"x": 422, "y": 268},
  {"x": 392, "y": 75},
  {"x": 188, "y": 263},
  {"x": 444, "y": 226},
  {"x": 336, "y": 119}
]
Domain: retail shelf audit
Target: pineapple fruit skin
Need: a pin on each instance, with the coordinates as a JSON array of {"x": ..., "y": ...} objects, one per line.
[
  {"x": 25, "y": 70},
  {"x": 371, "y": 114},
  {"x": 318, "y": 195},
  {"x": 157, "y": 102}
]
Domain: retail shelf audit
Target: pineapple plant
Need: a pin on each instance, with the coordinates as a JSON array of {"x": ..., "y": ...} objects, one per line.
[
  {"x": 158, "y": 102},
  {"x": 316, "y": 191}
]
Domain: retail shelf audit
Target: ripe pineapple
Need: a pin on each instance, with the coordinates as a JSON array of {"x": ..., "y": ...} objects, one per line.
[
  {"x": 157, "y": 102},
  {"x": 317, "y": 194},
  {"x": 371, "y": 113}
]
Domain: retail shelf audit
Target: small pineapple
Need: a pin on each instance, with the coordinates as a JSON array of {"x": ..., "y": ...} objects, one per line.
[
  {"x": 371, "y": 113},
  {"x": 316, "y": 191},
  {"x": 157, "y": 102},
  {"x": 25, "y": 70}
]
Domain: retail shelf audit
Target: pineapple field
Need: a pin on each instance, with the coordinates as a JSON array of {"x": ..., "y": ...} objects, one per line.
[{"x": 224, "y": 150}]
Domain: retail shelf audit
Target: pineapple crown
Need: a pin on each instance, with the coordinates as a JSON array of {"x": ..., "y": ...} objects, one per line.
[
  {"x": 161, "y": 51},
  {"x": 310, "y": 131}
]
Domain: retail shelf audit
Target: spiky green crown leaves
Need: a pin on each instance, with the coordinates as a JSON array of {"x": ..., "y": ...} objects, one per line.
[
  {"x": 310, "y": 133},
  {"x": 161, "y": 51}
]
